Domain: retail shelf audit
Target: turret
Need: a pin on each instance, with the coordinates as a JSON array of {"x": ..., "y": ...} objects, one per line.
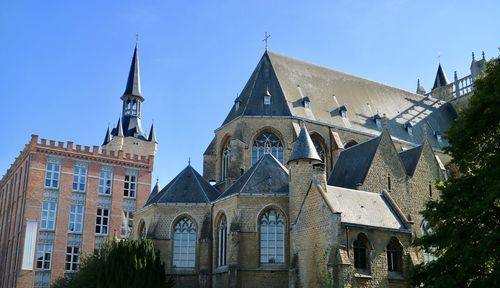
[
  {"x": 301, "y": 167},
  {"x": 441, "y": 89}
]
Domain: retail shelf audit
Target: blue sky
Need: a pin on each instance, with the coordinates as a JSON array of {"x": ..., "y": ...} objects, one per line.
[{"x": 65, "y": 63}]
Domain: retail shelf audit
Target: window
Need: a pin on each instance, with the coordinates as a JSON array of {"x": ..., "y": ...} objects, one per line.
[
  {"x": 79, "y": 177},
  {"x": 267, "y": 98},
  {"x": 126, "y": 223},
  {"x": 184, "y": 244},
  {"x": 343, "y": 111},
  {"x": 44, "y": 257},
  {"x": 427, "y": 230},
  {"x": 394, "y": 256},
  {"x": 130, "y": 185},
  {"x": 222, "y": 249},
  {"x": 72, "y": 258},
  {"x": 361, "y": 255},
  {"x": 142, "y": 230},
  {"x": 389, "y": 182},
  {"x": 102, "y": 221},
  {"x": 319, "y": 148},
  {"x": 75, "y": 218},
  {"x": 105, "y": 180},
  {"x": 267, "y": 143},
  {"x": 226, "y": 154},
  {"x": 272, "y": 238},
  {"x": 48, "y": 215},
  {"x": 52, "y": 173}
]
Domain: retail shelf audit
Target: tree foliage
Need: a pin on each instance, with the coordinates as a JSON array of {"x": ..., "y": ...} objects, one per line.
[
  {"x": 129, "y": 263},
  {"x": 466, "y": 218}
]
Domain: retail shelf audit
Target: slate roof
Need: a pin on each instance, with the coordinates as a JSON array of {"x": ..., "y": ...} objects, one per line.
[
  {"x": 134, "y": 79},
  {"x": 364, "y": 208},
  {"x": 304, "y": 147},
  {"x": 441, "y": 79},
  {"x": 410, "y": 159},
  {"x": 267, "y": 176},
  {"x": 187, "y": 187},
  {"x": 290, "y": 80},
  {"x": 353, "y": 164}
]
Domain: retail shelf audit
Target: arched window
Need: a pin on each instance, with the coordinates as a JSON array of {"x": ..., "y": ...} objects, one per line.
[
  {"x": 134, "y": 107},
  {"x": 222, "y": 249},
  {"x": 361, "y": 248},
  {"x": 184, "y": 244},
  {"x": 427, "y": 230},
  {"x": 319, "y": 148},
  {"x": 394, "y": 255},
  {"x": 226, "y": 154},
  {"x": 350, "y": 143},
  {"x": 142, "y": 230},
  {"x": 267, "y": 143},
  {"x": 272, "y": 237},
  {"x": 128, "y": 107}
]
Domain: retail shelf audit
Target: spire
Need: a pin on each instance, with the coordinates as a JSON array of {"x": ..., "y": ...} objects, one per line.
[
  {"x": 304, "y": 147},
  {"x": 119, "y": 128},
  {"x": 156, "y": 189},
  {"x": 420, "y": 88},
  {"x": 134, "y": 80},
  {"x": 152, "y": 134},
  {"x": 107, "y": 138},
  {"x": 441, "y": 79}
]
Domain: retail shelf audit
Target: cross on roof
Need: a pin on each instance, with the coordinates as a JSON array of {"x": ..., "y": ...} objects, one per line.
[{"x": 266, "y": 36}]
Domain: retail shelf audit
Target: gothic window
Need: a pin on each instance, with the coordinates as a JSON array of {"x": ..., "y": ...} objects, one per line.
[
  {"x": 394, "y": 255},
  {"x": 222, "y": 249},
  {"x": 427, "y": 230},
  {"x": 267, "y": 143},
  {"x": 272, "y": 238},
  {"x": 184, "y": 244},
  {"x": 361, "y": 248},
  {"x": 226, "y": 154},
  {"x": 319, "y": 148}
]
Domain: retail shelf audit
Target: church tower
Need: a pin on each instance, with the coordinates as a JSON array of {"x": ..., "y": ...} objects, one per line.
[{"x": 128, "y": 134}]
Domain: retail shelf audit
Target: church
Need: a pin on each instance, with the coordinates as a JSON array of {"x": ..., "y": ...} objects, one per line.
[{"x": 314, "y": 179}]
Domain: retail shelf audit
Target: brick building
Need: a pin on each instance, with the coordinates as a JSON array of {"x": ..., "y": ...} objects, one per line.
[
  {"x": 59, "y": 200},
  {"x": 318, "y": 180}
]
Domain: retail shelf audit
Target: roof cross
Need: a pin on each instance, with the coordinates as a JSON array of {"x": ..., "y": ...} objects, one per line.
[{"x": 266, "y": 36}]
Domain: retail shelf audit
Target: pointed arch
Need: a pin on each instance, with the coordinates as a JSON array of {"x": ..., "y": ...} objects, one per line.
[
  {"x": 268, "y": 140},
  {"x": 361, "y": 250},
  {"x": 272, "y": 231},
  {"x": 320, "y": 145},
  {"x": 394, "y": 255},
  {"x": 184, "y": 235}
]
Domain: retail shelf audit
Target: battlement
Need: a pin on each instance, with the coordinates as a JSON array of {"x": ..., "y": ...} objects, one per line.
[{"x": 86, "y": 151}]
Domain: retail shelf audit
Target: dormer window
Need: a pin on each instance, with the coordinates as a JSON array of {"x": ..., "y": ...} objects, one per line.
[
  {"x": 378, "y": 121},
  {"x": 267, "y": 98},
  {"x": 237, "y": 103},
  {"x": 409, "y": 128},
  {"x": 343, "y": 111},
  {"x": 439, "y": 137},
  {"x": 306, "y": 102}
]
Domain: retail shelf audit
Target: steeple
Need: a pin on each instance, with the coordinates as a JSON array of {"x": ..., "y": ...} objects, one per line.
[
  {"x": 134, "y": 80},
  {"x": 304, "y": 147},
  {"x": 152, "y": 134},
  {"x": 107, "y": 138},
  {"x": 119, "y": 128},
  {"x": 441, "y": 79}
]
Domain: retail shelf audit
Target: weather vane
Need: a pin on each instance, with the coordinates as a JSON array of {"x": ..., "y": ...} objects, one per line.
[{"x": 266, "y": 36}]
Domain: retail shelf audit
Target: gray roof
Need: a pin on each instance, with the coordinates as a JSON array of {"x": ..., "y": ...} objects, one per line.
[
  {"x": 152, "y": 134},
  {"x": 134, "y": 80},
  {"x": 187, "y": 187},
  {"x": 290, "y": 80},
  {"x": 155, "y": 191},
  {"x": 304, "y": 147},
  {"x": 107, "y": 138},
  {"x": 364, "y": 208},
  {"x": 353, "y": 164},
  {"x": 441, "y": 79},
  {"x": 410, "y": 159},
  {"x": 267, "y": 176}
]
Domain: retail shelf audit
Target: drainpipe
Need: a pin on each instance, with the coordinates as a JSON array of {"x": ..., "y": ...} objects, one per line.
[{"x": 347, "y": 239}]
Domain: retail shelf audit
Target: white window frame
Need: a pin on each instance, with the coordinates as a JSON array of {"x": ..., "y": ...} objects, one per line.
[
  {"x": 130, "y": 185},
  {"x": 127, "y": 223},
  {"x": 105, "y": 180},
  {"x": 80, "y": 176},
  {"x": 52, "y": 173},
  {"x": 72, "y": 259},
  {"x": 44, "y": 257},
  {"x": 272, "y": 233},
  {"x": 76, "y": 213},
  {"x": 102, "y": 221},
  {"x": 184, "y": 246},
  {"x": 48, "y": 217}
]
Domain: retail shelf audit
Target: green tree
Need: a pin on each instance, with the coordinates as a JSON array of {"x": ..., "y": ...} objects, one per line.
[
  {"x": 466, "y": 218},
  {"x": 130, "y": 263}
]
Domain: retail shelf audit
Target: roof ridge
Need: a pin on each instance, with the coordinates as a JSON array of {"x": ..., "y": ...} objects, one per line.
[
  {"x": 256, "y": 165},
  {"x": 199, "y": 184},
  {"x": 170, "y": 184}
]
